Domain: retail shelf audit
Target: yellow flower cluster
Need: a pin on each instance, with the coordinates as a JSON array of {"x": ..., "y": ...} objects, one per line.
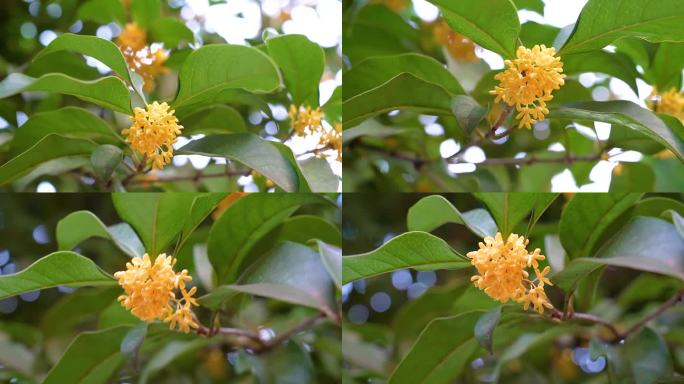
[
  {"x": 140, "y": 57},
  {"x": 150, "y": 291},
  {"x": 502, "y": 274},
  {"x": 670, "y": 102},
  {"x": 305, "y": 120},
  {"x": 529, "y": 81},
  {"x": 458, "y": 46},
  {"x": 333, "y": 139},
  {"x": 153, "y": 133}
]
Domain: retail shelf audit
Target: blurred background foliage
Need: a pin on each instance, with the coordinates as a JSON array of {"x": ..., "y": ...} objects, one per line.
[
  {"x": 37, "y": 327},
  {"x": 27, "y": 26},
  {"x": 384, "y": 315}
]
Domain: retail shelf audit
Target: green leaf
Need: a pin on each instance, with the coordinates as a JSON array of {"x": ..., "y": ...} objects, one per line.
[
  {"x": 643, "y": 359},
  {"x": 485, "y": 326},
  {"x": 635, "y": 177},
  {"x": 78, "y": 226},
  {"x": 633, "y": 247},
  {"x": 614, "y": 64},
  {"x": 523, "y": 343},
  {"x": 91, "y": 358},
  {"x": 492, "y": 24},
  {"x": 244, "y": 223},
  {"x": 278, "y": 275},
  {"x": 532, "y": 5},
  {"x": 102, "y": 11},
  {"x": 158, "y": 218},
  {"x": 678, "y": 221},
  {"x": 434, "y": 211},
  {"x": 133, "y": 340},
  {"x": 332, "y": 109},
  {"x": 171, "y": 32},
  {"x": 332, "y": 260},
  {"x": 624, "y": 114},
  {"x": 376, "y": 71},
  {"x": 408, "y": 250},
  {"x": 109, "y": 92},
  {"x": 302, "y": 63},
  {"x": 50, "y": 147},
  {"x": 216, "y": 119},
  {"x": 509, "y": 209},
  {"x": 67, "y": 122},
  {"x": 250, "y": 150},
  {"x": 404, "y": 91},
  {"x": 601, "y": 23},
  {"x": 303, "y": 228},
  {"x": 202, "y": 206},
  {"x": 103, "y": 50},
  {"x": 656, "y": 206},
  {"x": 105, "y": 159},
  {"x": 318, "y": 174},
  {"x": 58, "y": 268},
  {"x": 69, "y": 63},
  {"x": 145, "y": 12},
  {"x": 72, "y": 310},
  {"x": 214, "y": 68},
  {"x": 532, "y": 33},
  {"x": 586, "y": 217},
  {"x": 169, "y": 353},
  {"x": 441, "y": 352},
  {"x": 468, "y": 112},
  {"x": 667, "y": 66},
  {"x": 288, "y": 364}
]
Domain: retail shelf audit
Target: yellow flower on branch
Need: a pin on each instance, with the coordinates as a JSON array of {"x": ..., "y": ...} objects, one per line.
[
  {"x": 670, "y": 102},
  {"x": 333, "y": 139},
  {"x": 458, "y": 46},
  {"x": 503, "y": 274},
  {"x": 140, "y": 57},
  {"x": 153, "y": 133},
  {"x": 529, "y": 81},
  {"x": 305, "y": 120},
  {"x": 150, "y": 291}
]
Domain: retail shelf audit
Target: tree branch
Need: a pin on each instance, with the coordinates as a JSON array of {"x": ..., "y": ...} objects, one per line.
[
  {"x": 196, "y": 177},
  {"x": 536, "y": 160},
  {"x": 674, "y": 300}
]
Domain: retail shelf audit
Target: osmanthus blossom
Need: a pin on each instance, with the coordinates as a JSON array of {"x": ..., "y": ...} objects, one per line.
[
  {"x": 459, "y": 47},
  {"x": 307, "y": 121},
  {"x": 153, "y": 133},
  {"x": 140, "y": 57},
  {"x": 150, "y": 292},
  {"x": 502, "y": 268},
  {"x": 670, "y": 102},
  {"x": 528, "y": 83}
]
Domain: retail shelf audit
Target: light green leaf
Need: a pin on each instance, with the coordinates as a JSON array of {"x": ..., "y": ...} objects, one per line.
[
  {"x": 202, "y": 206},
  {"x": 171, "y": 32},
  {"x": 404, "y": 91},
  {"x": 667, "y": 65},
  {"x": 158, "y": 218},
  {"x": 103, "y": 50},
  {"x": 102, "y": 11},
  {"x": 408, "y": 250},
  {"x": 67, "y": 122},
  {"x": 244, "y": 223},
  {"x": 250, "y": 150},
  {"x": 91, "y": 358},
  {"x": 49, "y": 148},
  {"x": 509, "y": 209},
  {"x": 586, "y": 217},
  {"x": 376, "y": 71},
  {"x": 78, "y": 226},
  {"x": 434, "y": 211},
  {"x": 318, "y": 174},
  {"x": 492, "y": 24},
  {"x": 278, "y": 275},
  {"x": 332, "y": 260},
  {"x": 532, "y": 5},
  {"x": 109, "y": 92},
  {"x": 332, "y": 109},
  {"x": 614, "y": 64},
  {"x": 302, "y": 63},
  {"x": 214, "y": 68},
  {"x": 634, "y": 177},
  {"x": 58, "y": 268},
  {"x": 304, "y": 228},
  {"x": 602, "y": 22},
  {"x": 624, "y": 114},
  {"x": 169, "y": 353},
  {"x": 436, "y": 357},
  {"x": 145, "y": 12}
]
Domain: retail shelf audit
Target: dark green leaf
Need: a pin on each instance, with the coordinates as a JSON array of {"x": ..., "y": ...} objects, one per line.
[
  {"x": 105, "y": 159},
  {"x": 635, "y": 177},
  {"x": 332, "y": 260},
  {"x": 286, "y": 365},
  {"x": 216, "y": 119},
  {"x": 133, "y": 340},
  {"x": 509, "y": 209},
  {"x": 484, "y": 328},
  {"x": 91, "y": 358},
  {"x": 408, "y": 250},
  {"x": 244, "y": 223},
  {"x": 303, "y": 228},
  {"x": 302, "y": 63},
  {"x": 434, "y": 211},
  {"x": 58, "y": 268},
  {"x": 586, "y": 217},
  {"x": 468, "y": 112},
  {"x": 492, "y": 24},
  {"x": 319, "y": 175},
  {"x": 250, "y": 150},
  {"x": 169, "y": 353},
  {"x": 81, "y": 225}
]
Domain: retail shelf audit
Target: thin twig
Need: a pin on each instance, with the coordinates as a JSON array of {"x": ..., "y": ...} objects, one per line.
[
  {"x": 196, "y": 177},
  {"x": 294, "y": 330},
  {"x": 674, "y": 300},
  {"x": 416, "y": 161},
  {"x": 536, "y": 160}
]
